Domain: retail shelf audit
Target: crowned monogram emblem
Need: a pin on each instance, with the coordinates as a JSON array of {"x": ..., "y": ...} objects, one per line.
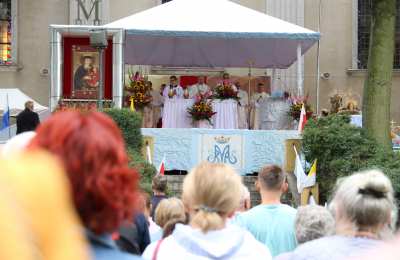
[{"x": 222, "y": 140}]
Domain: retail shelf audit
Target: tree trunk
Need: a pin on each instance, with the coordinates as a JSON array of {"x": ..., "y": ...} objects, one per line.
[{"x": 377, "y": 88}]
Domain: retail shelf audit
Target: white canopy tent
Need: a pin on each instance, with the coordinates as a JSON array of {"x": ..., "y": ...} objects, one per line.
[
  {"x": 213, "y": 33},
  {"x": 16, "y": 102}
]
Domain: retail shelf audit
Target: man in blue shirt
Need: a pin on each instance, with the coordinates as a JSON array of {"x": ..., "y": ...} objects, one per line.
[{"x": 271, "y": 223}]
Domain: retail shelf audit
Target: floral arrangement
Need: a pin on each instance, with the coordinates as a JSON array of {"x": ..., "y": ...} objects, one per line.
[
  {"x": 202, "y": 108},
  {"x": 225, "y": 91},
  {"x": 137, "y": 91},
  {"x": 297, "y": 104}
]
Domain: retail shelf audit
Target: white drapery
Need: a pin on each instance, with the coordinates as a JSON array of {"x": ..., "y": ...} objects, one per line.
[
  {"x": 175, "y": 113},
  {"x": 227, "y": 114}
]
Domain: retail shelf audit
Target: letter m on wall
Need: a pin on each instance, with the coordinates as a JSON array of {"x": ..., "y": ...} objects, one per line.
[{"x": 88, "y": 11}]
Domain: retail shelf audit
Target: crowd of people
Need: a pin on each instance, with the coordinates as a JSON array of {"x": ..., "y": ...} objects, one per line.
[{"x": 68, "y": 193}]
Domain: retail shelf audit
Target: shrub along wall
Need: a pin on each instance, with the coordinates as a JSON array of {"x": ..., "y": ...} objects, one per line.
[
  {"x": 342, "y": 149},
  {"x": 130, "y": 123}
]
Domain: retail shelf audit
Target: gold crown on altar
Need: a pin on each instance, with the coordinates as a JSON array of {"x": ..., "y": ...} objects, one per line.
[{"x": 222, "y": 140}]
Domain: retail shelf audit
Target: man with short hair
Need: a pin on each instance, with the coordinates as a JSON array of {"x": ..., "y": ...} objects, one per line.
[
  {"x": 173, "y": 90},
  {"x": 272, "y": 222},
  {"x": 159, "y": 187},
  {"x": 200, "y": 87},
  {"x": 27, "y": 120}
]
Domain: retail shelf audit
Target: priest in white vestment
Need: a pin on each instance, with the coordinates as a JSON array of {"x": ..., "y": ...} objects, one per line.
[
  {"x": 243, "y": 104},
  {"x": 256, "y": 99},
  {"x": 173, "y": 89},
  {"x": 200, "y": 88}
]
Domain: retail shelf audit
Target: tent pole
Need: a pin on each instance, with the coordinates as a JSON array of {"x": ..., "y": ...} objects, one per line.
[
  {"x": 299, "y": 71},
  {"x": 249, "y": 89},
  {"x": 273, "y": 80},
  {"x": 319, "y": 57}
]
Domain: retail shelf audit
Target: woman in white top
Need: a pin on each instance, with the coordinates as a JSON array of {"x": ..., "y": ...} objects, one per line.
[{"x": 211, "y": 193}]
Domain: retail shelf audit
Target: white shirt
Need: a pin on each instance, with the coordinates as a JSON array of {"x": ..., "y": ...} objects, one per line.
[
  {"x": 198, "y": 88},
  {"x": 178, "y": 89},
  {"x": 257, "y": 98},
  {"x": 243, "y": 98}
]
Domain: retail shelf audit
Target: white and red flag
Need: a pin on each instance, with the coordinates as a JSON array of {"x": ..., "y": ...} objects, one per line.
[
  {"x": 303, "y": 119},
  {"x": 161, "y": 168}
]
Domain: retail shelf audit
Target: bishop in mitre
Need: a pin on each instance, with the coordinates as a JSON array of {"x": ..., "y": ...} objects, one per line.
[
  {"x": 243, "y": 104},
  {"x": 200, "y": 88},
  {"x": 256, "y": 100}
]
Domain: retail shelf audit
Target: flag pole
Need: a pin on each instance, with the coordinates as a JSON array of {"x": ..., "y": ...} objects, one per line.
[{"x": 8, "y": 114}]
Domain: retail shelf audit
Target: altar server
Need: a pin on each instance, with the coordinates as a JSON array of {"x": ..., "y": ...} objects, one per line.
[
  {"x": 200, "y": 88},
  {"x": 243, "y": 107},
  {"x": 173, "y": 90},
  {"x": 256, "y": 100},
  {"x": 157, "y": 103}
]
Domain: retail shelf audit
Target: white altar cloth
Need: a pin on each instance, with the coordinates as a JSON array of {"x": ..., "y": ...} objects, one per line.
[
  {"x": 175, "y": 113},
  {"x": 227, "y": 114}
]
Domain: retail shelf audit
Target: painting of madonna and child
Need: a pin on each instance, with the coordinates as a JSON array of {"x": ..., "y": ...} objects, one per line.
[{"x": 85, "y": 62}]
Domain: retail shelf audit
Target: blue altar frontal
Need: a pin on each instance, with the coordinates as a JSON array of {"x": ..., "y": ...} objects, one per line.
[{"x": 245, "y": 150}]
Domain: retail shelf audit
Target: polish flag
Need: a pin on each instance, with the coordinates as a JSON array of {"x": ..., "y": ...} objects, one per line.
[
  {"x": 303, "y": 119},
  {"x": 161, "y": 168}
]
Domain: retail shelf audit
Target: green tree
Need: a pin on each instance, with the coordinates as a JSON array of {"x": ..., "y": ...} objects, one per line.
[{"x": 377, "y": 88}]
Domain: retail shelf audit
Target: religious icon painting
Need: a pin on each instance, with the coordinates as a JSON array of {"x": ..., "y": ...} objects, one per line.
[{"x": 85, "y": 71}]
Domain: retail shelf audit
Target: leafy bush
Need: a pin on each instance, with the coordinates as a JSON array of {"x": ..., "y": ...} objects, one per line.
[
  {"x": 342, "y": 149},
  {"x": 146, "y": 170},
  {"x": 130, "y": 123}
]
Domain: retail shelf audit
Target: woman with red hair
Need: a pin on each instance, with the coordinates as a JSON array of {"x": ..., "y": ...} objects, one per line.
[{"x": 92, "y": 150}]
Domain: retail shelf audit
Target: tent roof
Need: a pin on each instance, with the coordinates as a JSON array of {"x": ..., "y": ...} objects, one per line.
[
  {"x": 191, "y": 27},
  {"x": 210, "y": 18},
  {"x": 16, "y": 100}
]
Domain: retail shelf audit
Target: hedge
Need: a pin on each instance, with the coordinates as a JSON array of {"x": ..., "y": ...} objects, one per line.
[
  {"x": 342, "y": 149},
  {"x": 130, "y": 123}
]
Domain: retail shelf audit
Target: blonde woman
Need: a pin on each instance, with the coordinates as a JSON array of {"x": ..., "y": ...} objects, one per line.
[{"x": 211, "y": 194}]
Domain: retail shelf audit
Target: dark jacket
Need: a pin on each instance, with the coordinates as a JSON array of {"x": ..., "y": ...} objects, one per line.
[
  {"x": 135, "y": 237},
  {"x": 27, "y": 120}
]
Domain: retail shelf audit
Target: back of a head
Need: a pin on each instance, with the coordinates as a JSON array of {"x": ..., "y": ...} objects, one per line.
[
  {"x": 159, "y": 183},
  {"x": 366, "y": 200},
  {"x": 169, "y": 209},
  {"x": 271, "y": 178},
  {"x": 92, "y": 150},
  {"x": 313, "y": 222},
  {"x": 29, "y": 105},
  {"x": 211, "y": 191}
]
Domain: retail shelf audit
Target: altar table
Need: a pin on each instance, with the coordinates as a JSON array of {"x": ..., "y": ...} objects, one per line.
[
  {"x": 227, "y": 114},
  {"x": 175, "y": 113}
]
